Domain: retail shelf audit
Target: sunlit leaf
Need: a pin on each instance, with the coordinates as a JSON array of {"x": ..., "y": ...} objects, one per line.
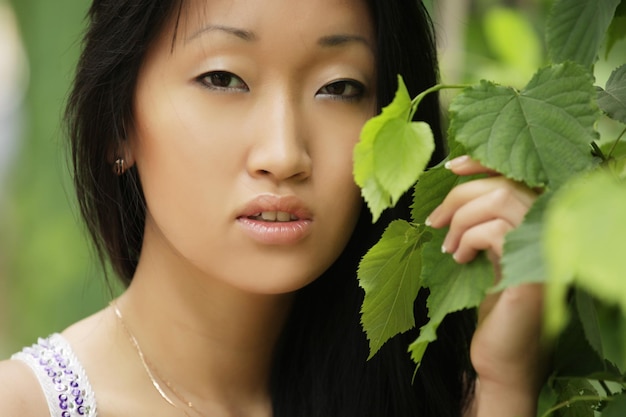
[
  {"x": 584, "y": 235},
  {"x": 453, "y": 287},
  {"x": 576, "y": 29},
  {"x": 612, "y": 99},
  {"x": 401, "y": 153},
  {"x": 540, "y": 135},
  {"x": 390, "y": 275},
  {"x": 392, "y": 153},
  {"x": 512, "y": 38}
]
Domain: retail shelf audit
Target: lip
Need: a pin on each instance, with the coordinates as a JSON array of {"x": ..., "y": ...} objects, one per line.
[{"x": 276, "y": 233}]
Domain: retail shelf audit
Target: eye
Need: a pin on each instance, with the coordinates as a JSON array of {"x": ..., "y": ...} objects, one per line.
[
  {"x": 222, "y": 80},
  {"x": 343, "y": 90}
]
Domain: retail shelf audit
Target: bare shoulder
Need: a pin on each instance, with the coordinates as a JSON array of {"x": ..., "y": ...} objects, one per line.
[{"x": 20, "y": 394}]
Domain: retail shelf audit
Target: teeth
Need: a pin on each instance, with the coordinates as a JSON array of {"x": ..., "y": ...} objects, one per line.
[
  {"x": 281, "y": 216},
  {"x": 269, "y": 216},
  {"x": 274, "y": 216}
]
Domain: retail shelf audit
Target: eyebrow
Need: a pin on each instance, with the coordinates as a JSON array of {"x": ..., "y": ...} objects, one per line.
[
  {"x": 342, "y": 39},
  {"x": 246, "y": 35},
  {"x": 239, "y": 33}
]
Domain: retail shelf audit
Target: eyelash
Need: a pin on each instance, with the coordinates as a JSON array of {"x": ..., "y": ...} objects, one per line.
[
  {"x": 209, "y": 79},
  {"x": 357, "y": 95}
]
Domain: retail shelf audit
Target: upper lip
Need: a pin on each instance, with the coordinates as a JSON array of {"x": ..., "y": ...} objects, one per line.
[{"x": 270, "y": 202}]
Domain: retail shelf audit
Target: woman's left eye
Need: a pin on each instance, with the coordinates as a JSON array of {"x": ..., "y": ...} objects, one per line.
[
  {"x": 343, "y": 90},
  {"x": 222, "y": 80}
]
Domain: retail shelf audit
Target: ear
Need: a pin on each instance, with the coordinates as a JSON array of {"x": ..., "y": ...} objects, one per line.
[{"x": 120, "y": 156}]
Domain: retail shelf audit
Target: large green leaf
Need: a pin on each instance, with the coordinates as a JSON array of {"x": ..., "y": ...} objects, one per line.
[
  {"x": 612, "y": 99},
  {"x": 576, "y": 29},
  {"x": 453, "y": 287},
  {"x": 584, "y": 242},
  {"x": 392, "y": 153},
  {"x": 390, "y": 275},
  {"x": 540, "y": 135}
]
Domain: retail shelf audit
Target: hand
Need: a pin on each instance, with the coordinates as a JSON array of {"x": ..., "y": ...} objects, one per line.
[{"x": 506, "y": 349}]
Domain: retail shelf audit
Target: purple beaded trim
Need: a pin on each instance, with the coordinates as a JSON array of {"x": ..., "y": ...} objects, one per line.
[{"x": 61, "y": 376}]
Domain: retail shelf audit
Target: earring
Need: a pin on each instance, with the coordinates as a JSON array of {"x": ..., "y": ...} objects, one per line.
[{"x": 119, "y": 167}]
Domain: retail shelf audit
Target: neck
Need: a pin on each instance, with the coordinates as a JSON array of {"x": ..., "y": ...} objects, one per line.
[{"x": 211, "y": 341}]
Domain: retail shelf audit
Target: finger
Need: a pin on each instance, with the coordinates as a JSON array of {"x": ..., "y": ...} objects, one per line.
[
  {"x": 469, "y": 191},
  {"x": 464, "y": 165},
  {"x": 485, "y": 236},
  {"x": 501, "y": 203}
]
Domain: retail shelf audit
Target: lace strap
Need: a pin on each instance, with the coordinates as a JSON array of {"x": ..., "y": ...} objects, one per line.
[{"x": 61, "y": 376}]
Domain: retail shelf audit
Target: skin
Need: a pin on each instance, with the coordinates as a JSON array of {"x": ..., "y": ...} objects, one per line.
[{"x": 208, "y": 301}]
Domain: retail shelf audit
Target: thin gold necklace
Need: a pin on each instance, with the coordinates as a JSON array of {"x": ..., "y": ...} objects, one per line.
[{"x": 151, "y": 370}]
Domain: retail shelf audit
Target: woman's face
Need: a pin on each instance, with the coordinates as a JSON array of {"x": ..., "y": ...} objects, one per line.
[{"x": 246, "y": 115}]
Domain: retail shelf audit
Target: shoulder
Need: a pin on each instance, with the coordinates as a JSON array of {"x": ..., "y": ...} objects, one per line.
[{"x": 20, "y": 394}]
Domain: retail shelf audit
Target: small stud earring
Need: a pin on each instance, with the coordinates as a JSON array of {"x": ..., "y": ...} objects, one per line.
[{"x": 119, "y": 167}]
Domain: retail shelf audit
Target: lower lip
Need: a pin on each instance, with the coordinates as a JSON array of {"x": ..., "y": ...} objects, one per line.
[{"x": 276, "y": 233}]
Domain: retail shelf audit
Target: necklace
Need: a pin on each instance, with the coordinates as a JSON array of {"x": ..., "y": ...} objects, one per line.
[{"x": 151, "y": 370}]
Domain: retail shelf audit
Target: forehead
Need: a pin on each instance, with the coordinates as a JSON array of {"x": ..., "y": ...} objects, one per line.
[{"x": 288, "y": 18}]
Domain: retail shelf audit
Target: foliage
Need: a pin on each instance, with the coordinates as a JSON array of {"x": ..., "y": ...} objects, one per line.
[{"x": 545, "y": 136}]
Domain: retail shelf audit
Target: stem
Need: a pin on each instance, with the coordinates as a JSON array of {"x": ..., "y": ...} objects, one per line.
[
  {"x": 598, "y": 152},
  {"x": 615, "y": 143},
  {"x": 605, "y": 387},
  {"x": 575, "y": 400},
  {"x": 418, "y": 98}
]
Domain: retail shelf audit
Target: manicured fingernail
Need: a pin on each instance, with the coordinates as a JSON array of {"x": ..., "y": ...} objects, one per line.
[
  {"x": 443, "y": 249},
  {"x": 427, "y": 222},
  {"x": 453, "y": 163}
]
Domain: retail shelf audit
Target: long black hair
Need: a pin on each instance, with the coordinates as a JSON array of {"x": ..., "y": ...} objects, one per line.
[{"x": 320, "y": 366}]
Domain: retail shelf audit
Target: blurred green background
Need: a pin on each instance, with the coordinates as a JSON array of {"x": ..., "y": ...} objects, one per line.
[{"x": 49, "y": 276}]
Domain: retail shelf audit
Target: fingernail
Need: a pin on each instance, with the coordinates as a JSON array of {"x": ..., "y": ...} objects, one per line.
[
  {"x": 453, "y": 163},
  {"x": 443, "y": 249},
  {"x": 427, "y": 222}
]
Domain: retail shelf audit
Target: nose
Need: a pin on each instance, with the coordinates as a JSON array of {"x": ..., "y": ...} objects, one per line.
[{"x": 279, "y": 149}]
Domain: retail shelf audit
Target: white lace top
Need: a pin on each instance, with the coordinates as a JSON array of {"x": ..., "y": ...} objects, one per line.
[{"x": 61, "y": 376}]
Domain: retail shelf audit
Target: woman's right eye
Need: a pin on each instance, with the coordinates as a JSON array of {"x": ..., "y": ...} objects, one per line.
[{"x": 222, "y": 80}]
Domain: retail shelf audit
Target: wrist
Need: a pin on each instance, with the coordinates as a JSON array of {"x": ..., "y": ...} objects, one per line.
[{"x": 502, "y": 400}]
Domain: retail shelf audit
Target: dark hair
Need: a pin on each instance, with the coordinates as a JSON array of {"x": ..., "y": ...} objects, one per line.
[{"x": 320, "y": 363}]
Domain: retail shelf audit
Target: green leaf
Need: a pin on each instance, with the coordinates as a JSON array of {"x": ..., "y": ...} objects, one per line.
[
  {"x": 430, "y": 191},
  {"x": 612, "y": 327},
  {"x": 584, "y": 230},
  {"x": 512, "y": 38},
  {"x": 576, "y": 28},
  {"x": 540, "y": 135},
  {"x": 616, "y": 407},
  {"x": 523, "y": 261},
  {"x": 392, "y": 153},
  {"x": 453, "y": 287},
  {"x": 577, "y": 397},
  {"x": 617, "y": 30},
  {"x": 401, "y": 153},
  {"x": 612, "y": 99},
  {"x": 390, "y": 275},
  {"x": 375, "y": 196},
  {"x": 577, "y": 351}
]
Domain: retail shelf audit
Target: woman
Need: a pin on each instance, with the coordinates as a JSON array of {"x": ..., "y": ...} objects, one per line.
[{"x": 212, "y": 144}]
